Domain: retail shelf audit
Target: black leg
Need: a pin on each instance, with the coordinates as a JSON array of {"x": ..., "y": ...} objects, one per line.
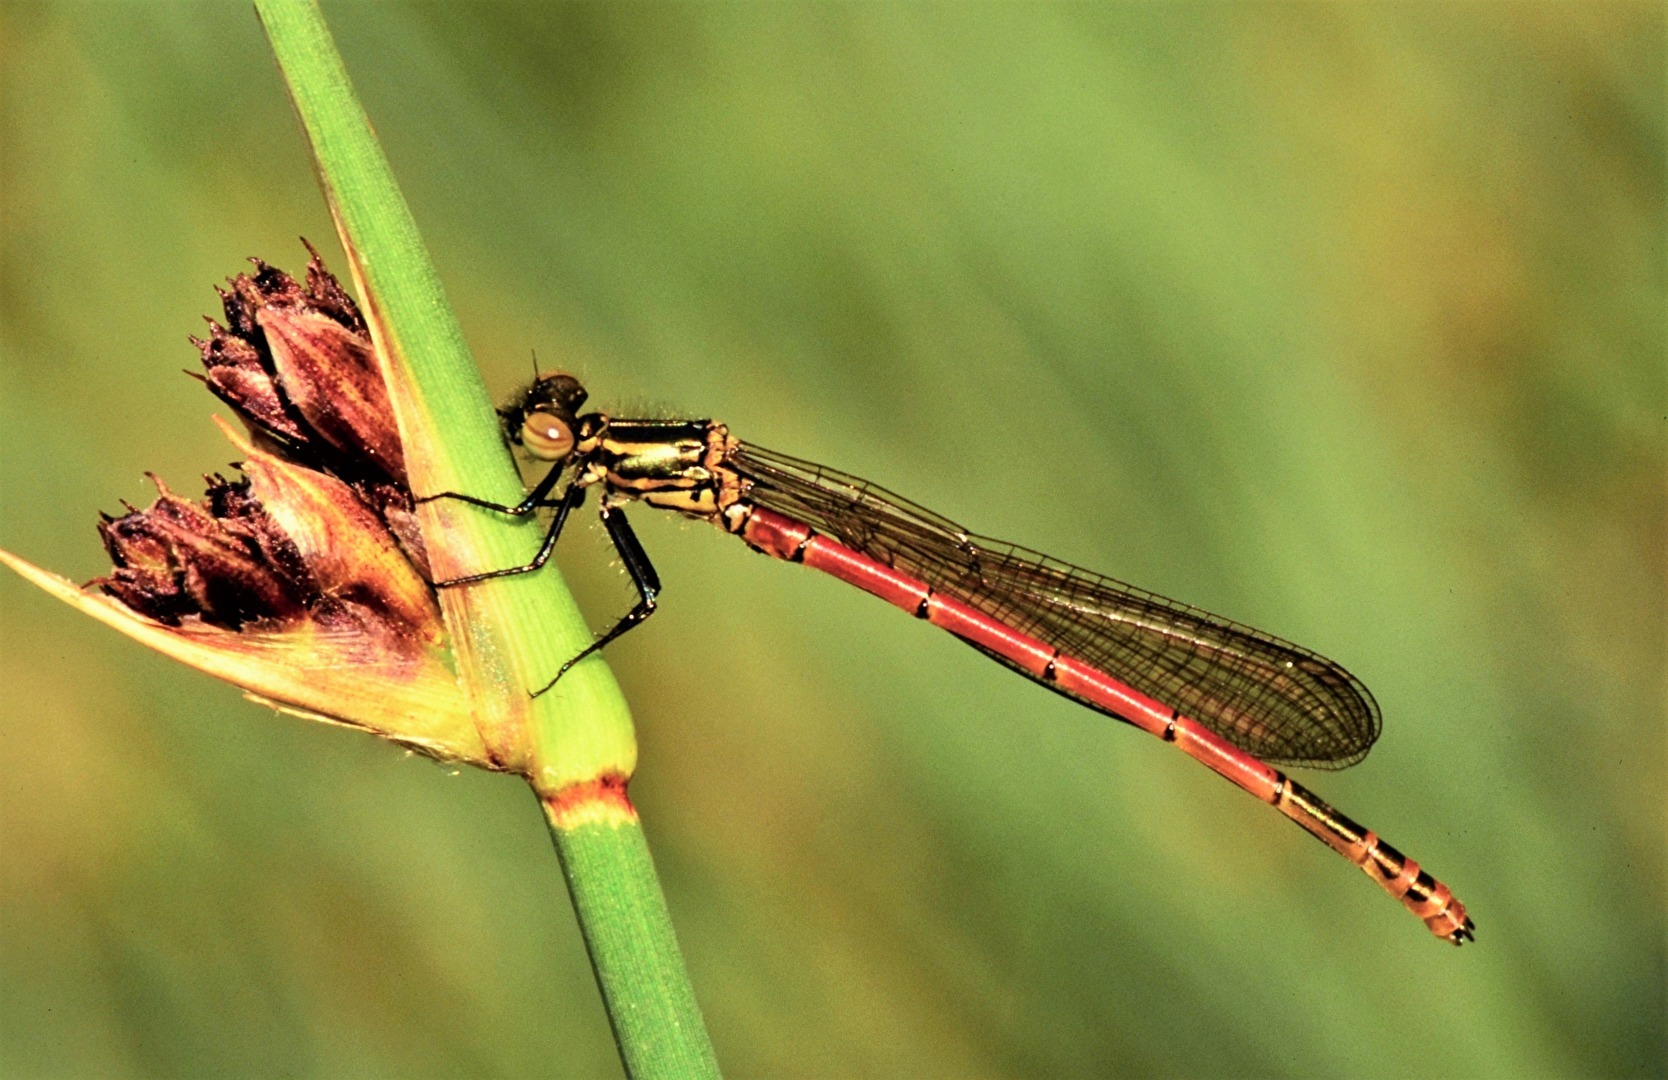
[
  {"x": 642, "y": 573},
  {"x": 536, "y": 498},
  {"x": 571, "y": 498}
]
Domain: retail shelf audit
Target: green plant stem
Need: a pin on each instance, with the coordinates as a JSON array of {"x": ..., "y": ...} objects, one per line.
[
  {"x": 629, "y": 936},
  {"x": 511, "y": 633}
]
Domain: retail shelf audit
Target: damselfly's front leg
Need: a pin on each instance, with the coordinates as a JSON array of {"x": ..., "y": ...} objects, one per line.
[{"x": 537, "y": 498}]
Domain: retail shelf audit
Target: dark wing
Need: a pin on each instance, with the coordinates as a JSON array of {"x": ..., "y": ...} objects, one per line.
[{"x": 1269, "y": 697}]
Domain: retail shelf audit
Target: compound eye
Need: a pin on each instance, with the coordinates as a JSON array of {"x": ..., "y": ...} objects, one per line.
[{"x": 547, "y": 436}]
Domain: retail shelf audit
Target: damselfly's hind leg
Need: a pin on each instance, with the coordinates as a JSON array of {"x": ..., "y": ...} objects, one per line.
[{"x": 643, "y": 576}]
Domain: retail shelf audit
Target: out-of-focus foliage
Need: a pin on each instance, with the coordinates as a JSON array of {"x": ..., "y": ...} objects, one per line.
[{"x": 1346, "y": 321}]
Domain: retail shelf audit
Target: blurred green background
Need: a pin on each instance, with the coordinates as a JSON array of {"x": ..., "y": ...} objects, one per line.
[{"x": 1344, "y": 321}]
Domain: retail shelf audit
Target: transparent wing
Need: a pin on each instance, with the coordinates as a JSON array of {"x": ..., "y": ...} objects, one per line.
[{"x": 1266, "y": 696}]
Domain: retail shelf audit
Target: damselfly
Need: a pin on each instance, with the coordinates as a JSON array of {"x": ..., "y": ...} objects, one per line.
[{"x": 1227, "y": 695}]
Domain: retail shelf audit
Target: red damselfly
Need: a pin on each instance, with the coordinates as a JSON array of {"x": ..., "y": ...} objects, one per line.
[{"x": 1227, "y": 695}]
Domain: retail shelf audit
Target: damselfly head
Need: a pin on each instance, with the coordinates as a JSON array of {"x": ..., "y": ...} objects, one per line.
[{"x": 543, "y": 419}]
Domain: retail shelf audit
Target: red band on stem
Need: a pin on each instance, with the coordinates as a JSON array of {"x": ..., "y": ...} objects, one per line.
[{"x": 599, "y": 801}]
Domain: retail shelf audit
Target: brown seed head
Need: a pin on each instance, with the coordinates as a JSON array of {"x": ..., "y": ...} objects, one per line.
[
  {"x": 222, "y": 561},
  {"x": 296, "y": 363}
]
